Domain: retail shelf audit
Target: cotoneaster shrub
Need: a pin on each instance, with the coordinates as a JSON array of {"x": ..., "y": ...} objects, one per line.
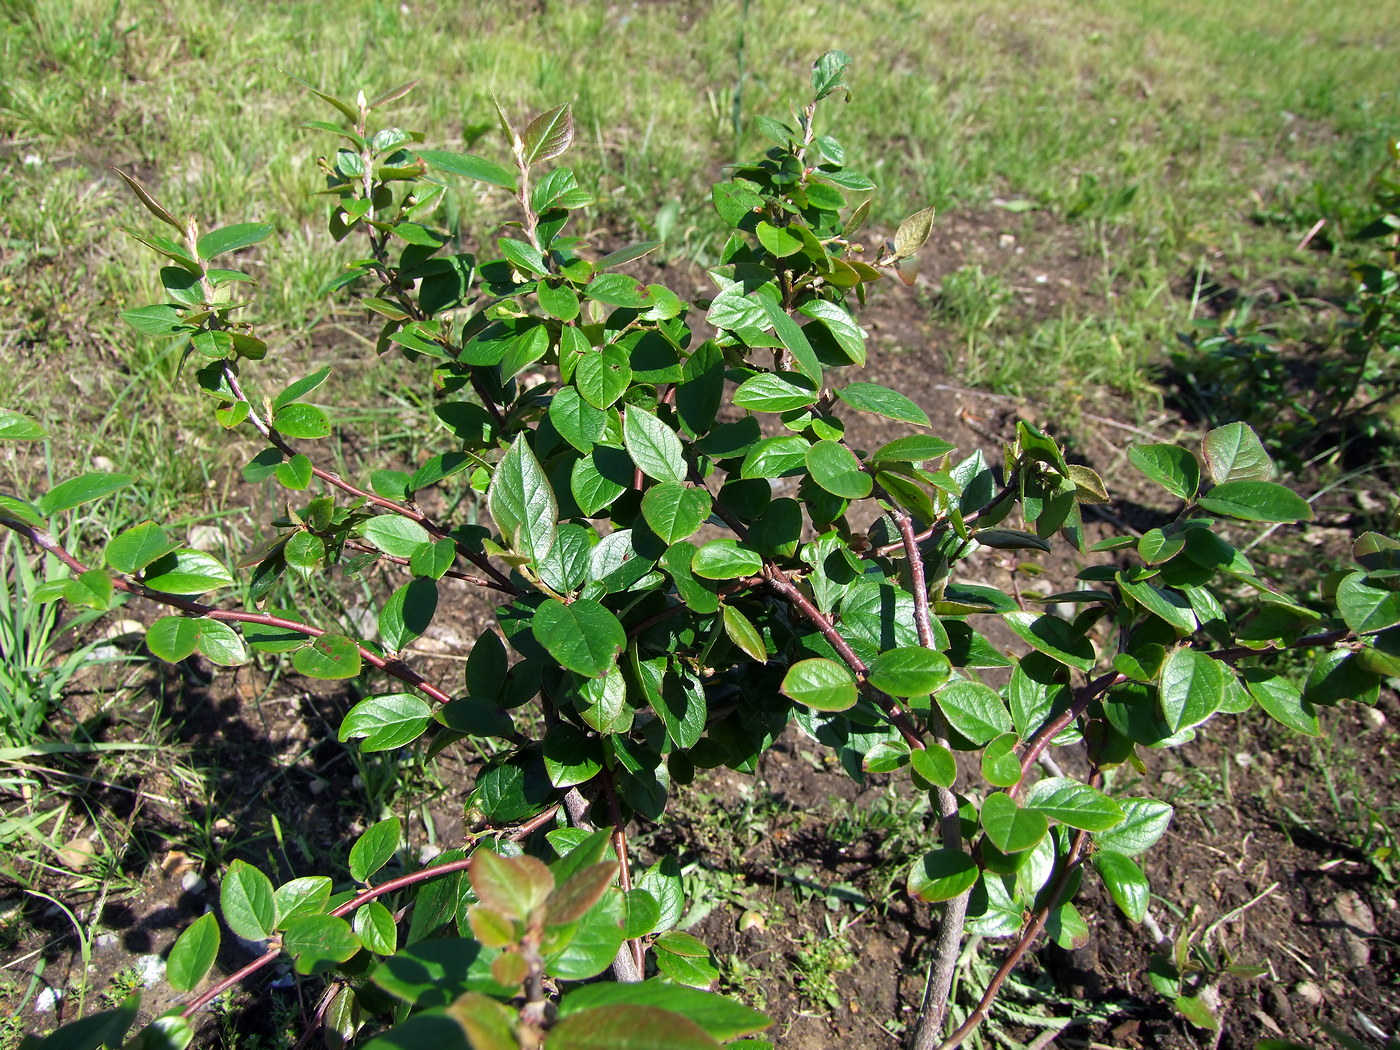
[{"x": 662, "y": 611}]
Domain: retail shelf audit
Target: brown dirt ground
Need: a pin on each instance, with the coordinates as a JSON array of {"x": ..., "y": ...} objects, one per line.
[{"x": 1256, "y": 883}]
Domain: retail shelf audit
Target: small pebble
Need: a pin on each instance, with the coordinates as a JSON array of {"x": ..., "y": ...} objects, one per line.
[
  {"x": 1308, "y": 992},
  {"x": 193, "y": 882},
  {"x": 46, "y": 1000}
]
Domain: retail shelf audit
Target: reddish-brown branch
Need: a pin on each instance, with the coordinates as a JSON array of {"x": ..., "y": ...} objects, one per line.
[
  {"x": 363, "y": 897},
  {"x": 619, "y": 841},
  {"x": 390, "y": 666},
  {"x": 1023, "y": 942},
  {"x": 1057, "y": 725},
  {"x": 943, "y": 524},
  {"x": 498, "y": 582}
]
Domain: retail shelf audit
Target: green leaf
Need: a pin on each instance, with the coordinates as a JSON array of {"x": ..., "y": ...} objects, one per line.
[
  {"x": 305, "y": 896},
  {"x": 186, "y": 571},
  {"x": 300, "y": 420},
  {"x": 316, "y": 942},
  {"x": 917, "y": 448},
  {"x": 1011, "y": 828},
  {"x": 375, "y": 847},
  {"x": 246, "y": 902},
  {"x": 1055, "y": 638},
  {"x": 1001, "y": 766},
  {"x": 780, "y": 241},
  {"x": 935, "y": 765},
  {"x": 601, "y": 376},
  {"x": 469, "y": 166},
  {"x": 375, "y": 927},
  {"x": 721, "y": 1016},
  {"x": 942, "y": 875},
  {"x": 674, "y": 510},
  {"x": 1256, "y": 501},
  {"x": 792, "y": 337},
  {"x": 329, "y": 657},
  {"x": 15, "y": 427},
  {"x": 559, "y": 301},
  {"x": 843, "y": 327},
  {"x": 725, "y": 559},
  {"x": 394, "y": 534},
  {"x": 1171, "y": 606},
  {"x": 434, "y": 972},
  {"x": 231, "y": 238},
  {"x": 584, "y": 636},
  {"x": 1145, "y": 821},
  {"x": 192, "y": 956},
  {"x": 827, "y": 72},
  {"x": 975, "y": 710},
  {"x": 1191, "y": 688},
  {"x": 775, "y": 457},
  {"x": 1155, "y": 546},
  {"x": 618, "y": 289},
  {"x": 219, "y": 643},
  {"x": 570, "y": 757},
  {"x": 1075, "y": 804},
  {"x": 386, "y": 722},
  {"x": 1366, "y": 608},
  {"x": 1235, "y": 453},
  {"x": 1282, "y": 700},
  {"x": 882, "y": 401},
  {"x": 407, "y": 613},
  {"x": 913, "y": 232},
  {"x": 835, "y": 468},
  {"x": 821, "y": 684},
  {"x": 1197, "y": 1012},
  {"x": 743, "y": 634},
  {"x": 1126, "y": 883},
  {"x": 549, "y": 134},
  {"x": 20, "y": 510},
  {"x": 775, "y": 392},
  {"x": 629, "y": 1027},
  {"x": 522, "y": 502},
  {"x": 83, "y": 489},
  {"x": 653, "y": 446},
  {"x": 1172, "y": 467},
  {"x": 909, "y": 670},
  {"x": 295, "y": 473},
  {"x": 301, "y": 387}
]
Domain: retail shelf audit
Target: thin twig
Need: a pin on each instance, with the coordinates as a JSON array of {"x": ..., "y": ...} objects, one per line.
[
  {"x": 363, "y": 897},
  {"x": 619, "y": 838},
  {"x": 390, "y": 666}
]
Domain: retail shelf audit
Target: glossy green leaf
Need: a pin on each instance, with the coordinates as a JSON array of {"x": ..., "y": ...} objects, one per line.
[
  {"x": 186, "y": 571},
  {"x": 375, "y": 847},
  {"x": 1191, "y": 688},
  {"x": 315, "y": 942},
  {"x": 804, "y": 358},
  {"x": 975, "y": 710},
  {"x": 1001, "y": 766},
  {"x": 909, "y": 671},
  {"x": 386, "y": 722},
  {"x": 1365, "y": 607},
  {"x": 583, "y": 636},
  {"x": 309, "y": 895},
  {"x": 193, "y": 954},
  {"x": 231, "y": 238},
  {"x": 916, "y": 448},
  {"x": 821, "y": 684},
  {"x": 934, "y": 765},
  {"x": 375, "y": 927},
  {"x": 407, "y": 613},
  {"x": 522, "y": 502},
  {"x": 300, "y": 420},
  {"x": 675, "y": 510},
  {"x": 1256, "y": 501},
  {"x": 775, "y": 392},
  {"x": 835, "y": 468},
  {"x": 1235, "y": 453},
  {"x": 1126, "y": 883},
  {"x": 942, "y": 875},
  {"x": 15, "y": 427},
  {"x": 1075, "y": 804},
  {"x": 775, "y": 457},
  {"x": 1172, "y": 467},
  {"x": 570, "y": 757},
  {"x": 246, "y": 902},
  {"x": 83, "y": 489},
  {"x": 1145, "y": 820},
  {"x": 653, "y": 446},
  {"x": 1011, "y": 828},
  {"x": 744, "y": 634},
  {"x": 1171, "y": 606},
  {"x": 329, "y": 657},
  {"x": 844, "y": 330},
  {"x": 1055, "y": 638},
  {"x": 469, "y": 166},
  {"x": 1282, "y": 700},
  {"x": 725, "y": 559},
  {"x": 882, "y": 401}
]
